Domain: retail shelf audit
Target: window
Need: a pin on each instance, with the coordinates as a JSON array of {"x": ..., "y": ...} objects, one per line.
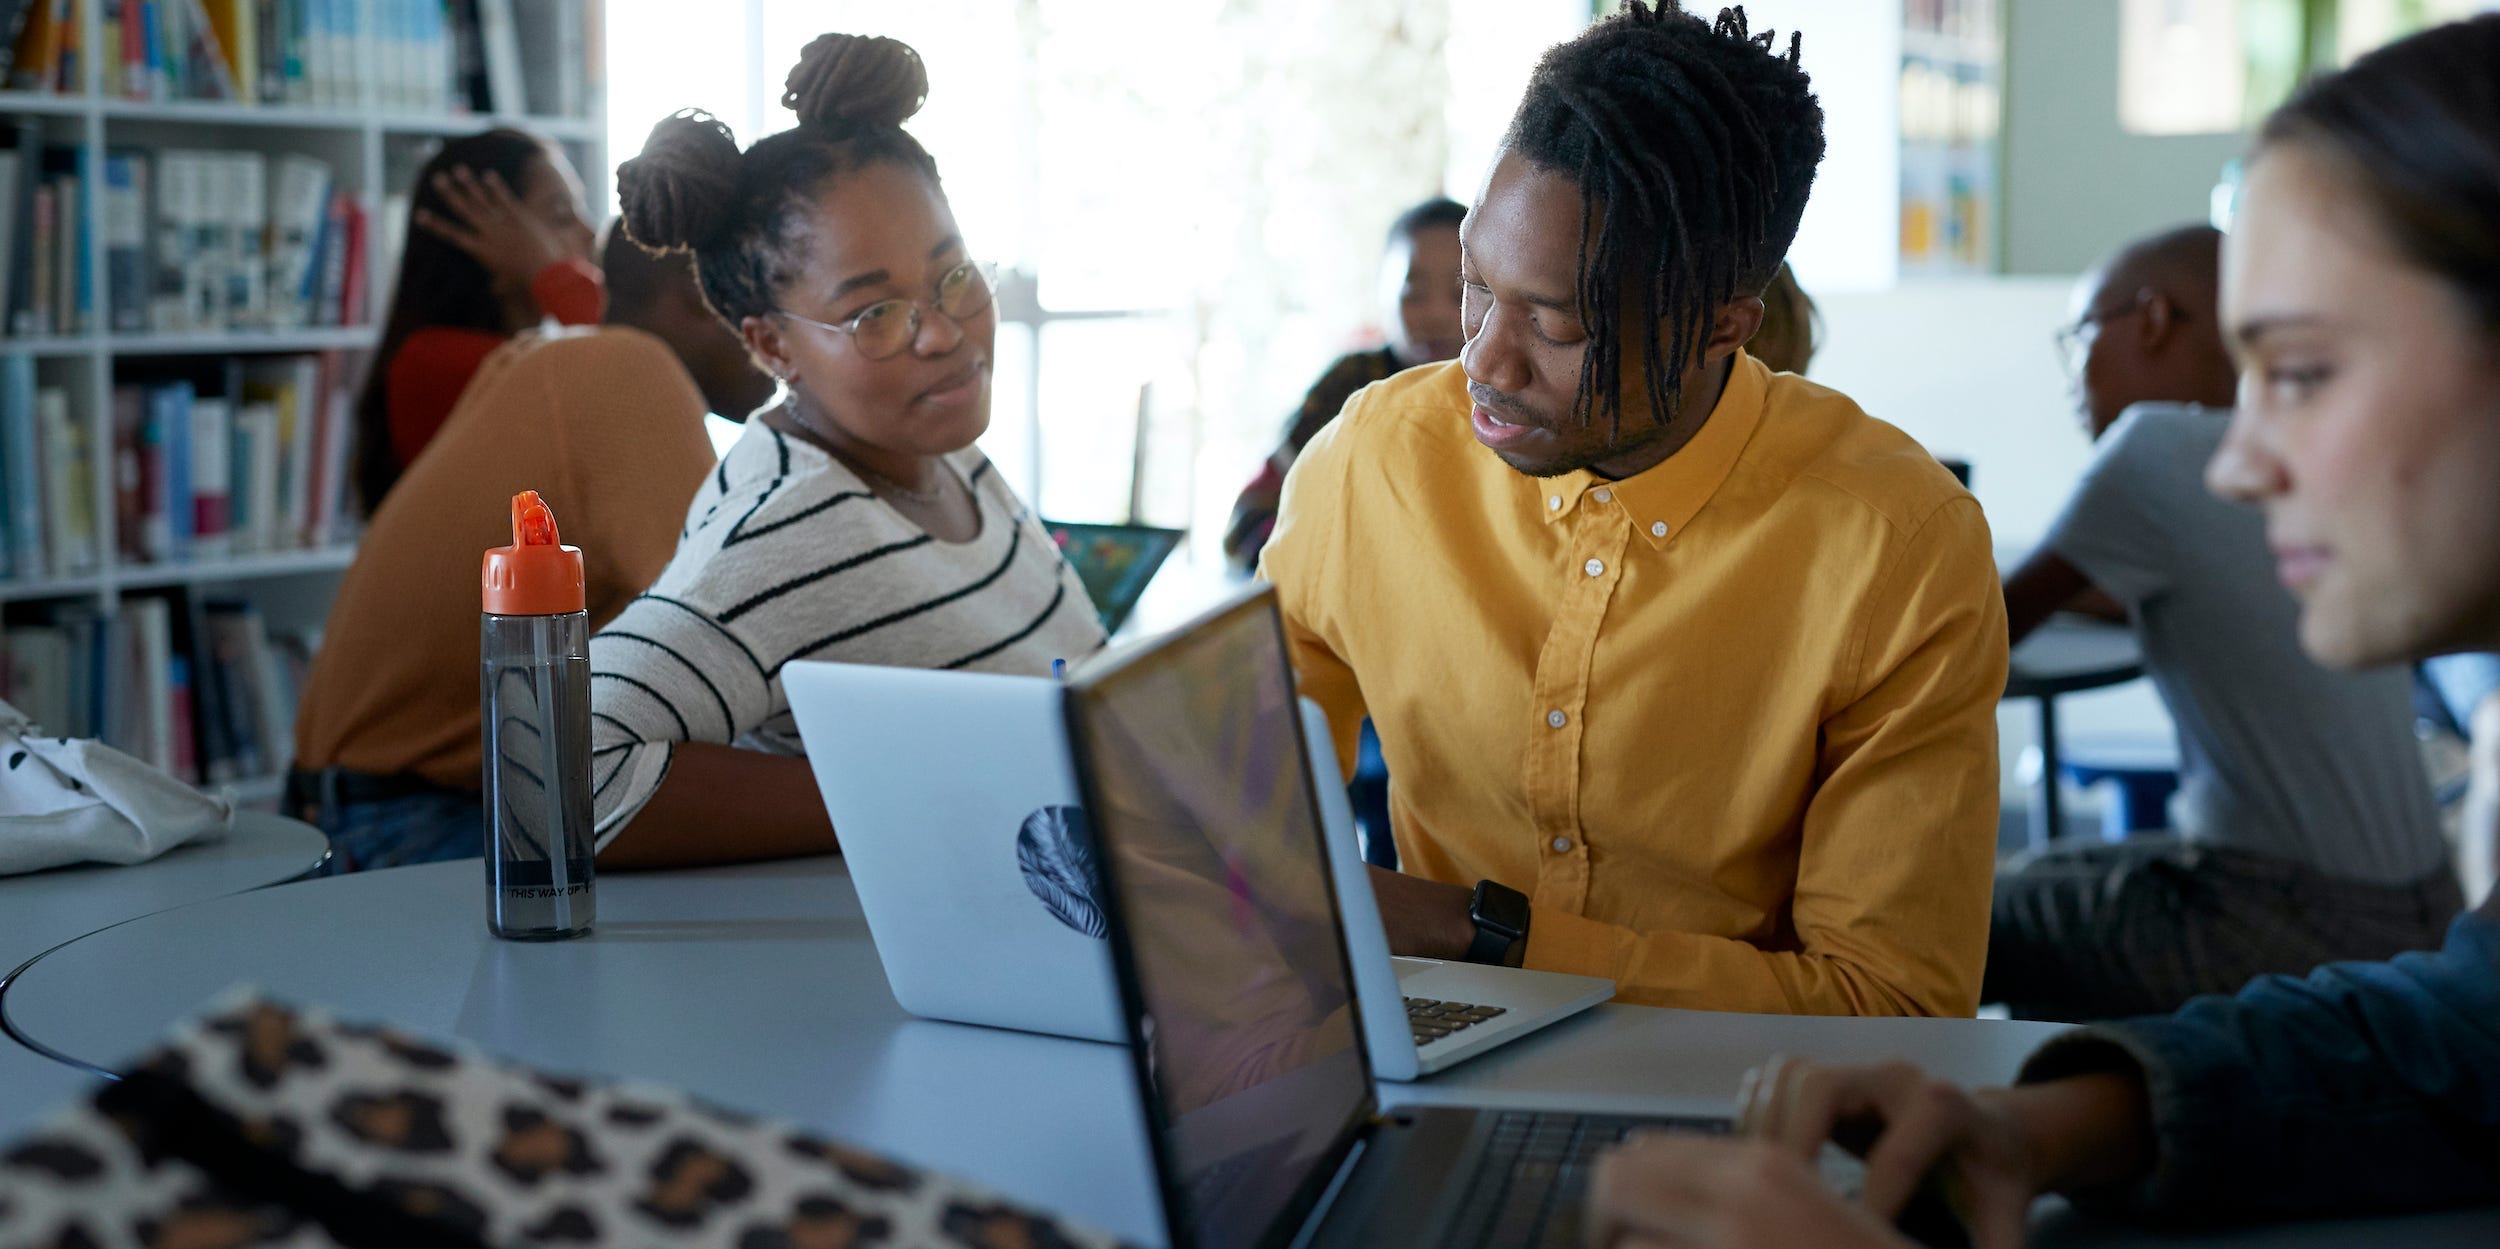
[
  {"x": 2182, "y": 66},
  {"x": 1188, "y": 195}
]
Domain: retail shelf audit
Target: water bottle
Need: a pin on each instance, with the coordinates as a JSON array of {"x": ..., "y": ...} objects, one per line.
[{"x": 534, "y": 697}]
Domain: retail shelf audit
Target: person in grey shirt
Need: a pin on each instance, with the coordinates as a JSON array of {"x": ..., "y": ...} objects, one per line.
[{"x": 2304, "y": 827}]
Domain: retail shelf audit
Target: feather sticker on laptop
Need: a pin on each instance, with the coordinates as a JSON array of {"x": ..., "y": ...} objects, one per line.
[{"x": 1055, "y": 848}]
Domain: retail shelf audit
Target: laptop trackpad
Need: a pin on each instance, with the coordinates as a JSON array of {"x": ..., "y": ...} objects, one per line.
[{"x": 1409, "y": 968}]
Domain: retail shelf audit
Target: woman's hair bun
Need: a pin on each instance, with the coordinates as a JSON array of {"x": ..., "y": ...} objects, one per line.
[
  {"x": 683, "y": 186},
  {"x": 850, "y": 82}
]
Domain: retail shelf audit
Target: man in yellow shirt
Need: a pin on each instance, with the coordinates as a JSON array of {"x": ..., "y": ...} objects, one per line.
[{"x": 1685, "y": 671}]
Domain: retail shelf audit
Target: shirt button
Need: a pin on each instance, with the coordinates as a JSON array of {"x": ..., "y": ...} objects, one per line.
[
  {"x": 1553, "y": 503},
  {"x": 1658, "y": 529},
  {"x": 1562, "y": 845},
  {"x": 1594, "y": 568},
  {"x": 1604, "y": 496},
  {"x": 1556, "y": 718}
]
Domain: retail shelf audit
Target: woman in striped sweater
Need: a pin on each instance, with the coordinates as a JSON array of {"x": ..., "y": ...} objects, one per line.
[{"x": 854, "y": 521}]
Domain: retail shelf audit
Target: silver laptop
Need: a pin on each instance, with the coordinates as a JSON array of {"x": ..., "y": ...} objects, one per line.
[
  {"x": 1422, "y": 1015},
  {"x": 955, "y": 800},
  {"x": 1251, "y": 1024},
  {"x": 951, "y": 796}
]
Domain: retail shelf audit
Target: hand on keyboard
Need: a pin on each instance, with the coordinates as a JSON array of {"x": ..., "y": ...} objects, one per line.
[{"x": 1709, "y": 1193}]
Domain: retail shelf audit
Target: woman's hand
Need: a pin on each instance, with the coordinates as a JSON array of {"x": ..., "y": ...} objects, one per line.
[
  {"x": 1659, "y": 1190},
  {"x": 1917, "y": 1125},
  {"x": 481, "y": 216}
]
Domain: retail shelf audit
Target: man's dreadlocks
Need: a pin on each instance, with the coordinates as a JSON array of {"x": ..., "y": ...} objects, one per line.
[{"x": 1695, "y": 144}]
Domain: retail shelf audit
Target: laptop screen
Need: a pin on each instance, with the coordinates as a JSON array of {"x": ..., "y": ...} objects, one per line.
[
  {"x": 1114, "y": 562},
  {"x": 1235, "y": 965}
]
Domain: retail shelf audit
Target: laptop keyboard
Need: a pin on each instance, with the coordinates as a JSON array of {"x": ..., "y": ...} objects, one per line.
[
  {"x": 1532, "y": 1180},
  {"x": 1432, "y": 1020}
]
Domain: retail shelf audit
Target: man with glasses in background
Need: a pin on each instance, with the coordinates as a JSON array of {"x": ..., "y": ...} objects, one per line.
[{"x": 2304, "y": 827}]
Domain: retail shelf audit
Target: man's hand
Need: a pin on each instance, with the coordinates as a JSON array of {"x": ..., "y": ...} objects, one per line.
[
  {"x": 1425, "y": 919},
  {"x": 1659, "y": 1190}
]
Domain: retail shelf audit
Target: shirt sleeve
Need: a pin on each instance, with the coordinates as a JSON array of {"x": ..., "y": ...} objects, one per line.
[
  {"x": 1898, "y": 850},
  {"x": 572, "y": 291},
  {"x": 664, "y": 672},
  {"x": 428, "y": 375},
  {"x": 1302, "y": 557},
  {"x": 2359, "y": 1088},
  {"x": 2113, "y": 529}
]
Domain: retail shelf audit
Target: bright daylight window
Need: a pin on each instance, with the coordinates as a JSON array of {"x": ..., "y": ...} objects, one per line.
[
  {"x": 2182, "y": 68},
  {"x": 1187, "y": 196}
]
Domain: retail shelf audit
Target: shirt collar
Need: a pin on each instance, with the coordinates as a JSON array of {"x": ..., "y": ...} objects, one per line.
[{"x": 1662, "y": 500}]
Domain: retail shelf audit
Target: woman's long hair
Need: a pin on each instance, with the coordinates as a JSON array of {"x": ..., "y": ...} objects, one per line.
[{"x": 438, "y": 285}]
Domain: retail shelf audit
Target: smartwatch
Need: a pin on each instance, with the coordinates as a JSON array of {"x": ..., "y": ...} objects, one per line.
[{"x": 1501, "y": 917}]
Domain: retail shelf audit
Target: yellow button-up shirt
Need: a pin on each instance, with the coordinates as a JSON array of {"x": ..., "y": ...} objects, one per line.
[{"x": 1729, "y": 723}]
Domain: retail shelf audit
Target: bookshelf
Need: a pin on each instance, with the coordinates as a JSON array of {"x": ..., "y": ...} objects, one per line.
[{"x": 369, "y": 141}]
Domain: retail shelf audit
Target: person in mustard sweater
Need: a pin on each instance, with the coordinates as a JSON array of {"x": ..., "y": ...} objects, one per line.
[
  {"x": 1685, "y": 671},
  {"x": 607, "y": 423}
]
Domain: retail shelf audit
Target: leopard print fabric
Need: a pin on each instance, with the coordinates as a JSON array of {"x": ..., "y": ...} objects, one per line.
[{"x": 486, "y": 1153}]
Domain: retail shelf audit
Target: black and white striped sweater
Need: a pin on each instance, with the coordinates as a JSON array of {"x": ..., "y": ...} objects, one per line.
[{"x": 787, "y": 555}]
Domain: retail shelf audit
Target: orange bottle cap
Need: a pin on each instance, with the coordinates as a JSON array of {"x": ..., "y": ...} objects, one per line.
[{"x": 537, "y": 575}]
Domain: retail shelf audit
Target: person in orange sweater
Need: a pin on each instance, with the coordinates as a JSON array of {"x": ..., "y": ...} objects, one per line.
[
  {"x": 498, "y": 241},
  {"x": 607, "y": 424}
]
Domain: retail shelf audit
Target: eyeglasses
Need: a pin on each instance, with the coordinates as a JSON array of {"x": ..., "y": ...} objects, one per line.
[
  {"x": 2074, "y": 342},
  {"x": 889, "y": 327}
]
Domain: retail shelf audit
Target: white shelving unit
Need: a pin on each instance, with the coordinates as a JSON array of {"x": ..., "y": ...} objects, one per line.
[{"x": 373, "y": 152}]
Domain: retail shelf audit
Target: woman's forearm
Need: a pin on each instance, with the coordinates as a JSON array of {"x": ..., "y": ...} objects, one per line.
[{"x": 720, "y": 804}]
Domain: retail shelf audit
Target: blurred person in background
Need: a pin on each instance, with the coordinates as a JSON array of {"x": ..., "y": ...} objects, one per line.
[
  {"x": 2303, "y": 831},
  {"x": 499, "y": 240},
  {"x": 1419, "y": 291},
  {"x": 1791, "y": 329}
]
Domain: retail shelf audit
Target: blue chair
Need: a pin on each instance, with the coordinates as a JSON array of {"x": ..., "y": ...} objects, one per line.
[
  {"x": 1369, "y": 791},
  {"x": 2142, "y": 774}
]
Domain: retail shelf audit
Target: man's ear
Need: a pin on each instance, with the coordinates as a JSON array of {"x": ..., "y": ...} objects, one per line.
[
  {"x": 762, "y": 336},
  {"x": 2161, "y": 318},
  {"x": 1738, "y": 320}
]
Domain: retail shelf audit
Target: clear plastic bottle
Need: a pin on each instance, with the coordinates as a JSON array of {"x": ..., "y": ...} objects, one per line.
[{"x": 534, "y": 697}]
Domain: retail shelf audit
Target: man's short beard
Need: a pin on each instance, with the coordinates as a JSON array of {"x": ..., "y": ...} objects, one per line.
[{"x": 1590, "y": 459}]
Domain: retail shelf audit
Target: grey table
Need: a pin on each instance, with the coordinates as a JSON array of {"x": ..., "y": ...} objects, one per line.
[
  {"x": 43, "y": 909},
  {"x": 2067, "y": 655},
  {"x": 757, "y": 987}
]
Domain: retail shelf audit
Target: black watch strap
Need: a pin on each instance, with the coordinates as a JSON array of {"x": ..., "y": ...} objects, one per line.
[{"x": 1501, "y": 918}]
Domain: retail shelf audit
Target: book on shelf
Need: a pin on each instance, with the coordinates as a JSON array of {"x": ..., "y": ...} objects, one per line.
[
  {"x": 246, "y": 457},
  {"x": 197, "y": 685},
  {"x": 227, "y": 241},
  {"x": 414, "y": 56},
  {"x": 49, "y": 527}
]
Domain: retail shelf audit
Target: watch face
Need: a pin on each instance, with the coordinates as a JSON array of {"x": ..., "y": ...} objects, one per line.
[{"x": 1502, "y": 907}]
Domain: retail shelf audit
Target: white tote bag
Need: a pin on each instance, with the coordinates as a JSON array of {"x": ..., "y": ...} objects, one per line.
[{"x": 75, "y": 800}]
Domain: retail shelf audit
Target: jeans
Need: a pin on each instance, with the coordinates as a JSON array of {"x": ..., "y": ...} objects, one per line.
[{"x": 412, "y": 828}]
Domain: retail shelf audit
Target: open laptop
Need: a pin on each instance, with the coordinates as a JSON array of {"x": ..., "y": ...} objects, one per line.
[
  {"x": 1114, "y": 561},
  {"x": 955, "y": 798},
  {"x": 1240, "y": 988}
]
